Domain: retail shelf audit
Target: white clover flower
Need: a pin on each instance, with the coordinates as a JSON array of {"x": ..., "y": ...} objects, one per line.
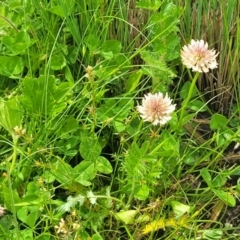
[
  {"x": 156, "y": 108},
  {"x": 198, "y": 57}
]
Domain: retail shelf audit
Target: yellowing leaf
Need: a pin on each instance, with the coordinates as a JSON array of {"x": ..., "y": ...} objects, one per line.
[
  {"x": 179, "y": 209},
  {"x": 126, "y": 216}
]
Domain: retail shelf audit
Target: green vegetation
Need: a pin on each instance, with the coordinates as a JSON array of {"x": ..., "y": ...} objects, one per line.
[{"x": 77, "y": 161}]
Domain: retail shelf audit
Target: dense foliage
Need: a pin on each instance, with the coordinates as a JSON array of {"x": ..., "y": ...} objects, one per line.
[{"x": 82, "y": 156}]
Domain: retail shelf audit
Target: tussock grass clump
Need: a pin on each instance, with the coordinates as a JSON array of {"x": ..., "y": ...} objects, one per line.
[{"x": 216, "y": 22}]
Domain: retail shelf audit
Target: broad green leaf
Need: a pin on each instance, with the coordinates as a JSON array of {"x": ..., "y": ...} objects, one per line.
[
  {"x": 92, "y": 42},
  {"x": 206, "y": 176},
  {"x": 174, "y": 122},
  {"x": 58, "y": 61},
  {"x": 226, "y": 197},
  {"x": 121, "y": 60},
  {"x": 123, "y": 108},
  {"x": 228, "y": 134},
  {"x": 25, "y": 234},
  {"x": 170, "y": 165},
  {"x": 69, "y": 127},
  {"x": 28, "y": 215},
  {"x": 107, "y": 55},
  {"x": 69, "y": 76},
  {"x": 10, "y": 114},
  {"x": 57, "y": 10},
  {"x": 5, "y": 225},
  {"x": 168, "y": 47},
  {"x": 142, "y": 192},
  {"x": 163, "y": 29},
  {"x": 30, "y": 200},
  {"x": 212, "y": 234},
  {"x": 185, "y": 90},
  {"x": 188, "y": 117},
  {"x": 143, "y": 218},
  {"x": 100, "y": 95},
  {"x": 84, "y": 235},
  {"x": 44, "y": 236},
  {"x": 169, "y": 141},
  {"x": 169, "y": 145},
  {"x": 197, "y": 106},
  {"x": 48, "y": 177},
  {"x": 38, "y": 95},
  {"x": 18, "y": 44},
  {"x": 90, "y": 148},
  {"x": 41, "y": 96},
  {"x": 11, "y": 66},
  {"x": 163, "y": 25},
  {"x": 84, "y": 172},
  {"x": 115, "y": 108},
  {"x": 62, "y": 171},
  {"x": 235, "y": 171},
  {"x": 118, "y": 125},
  {"x": 68, "y": 144},
  {"x": 190, "y": 159},
  {"x": 149, "y": 4},
  {"x": 61, "y": 92},
  {"x": 219, "y": 181},
  {"x": 10, "y": 196},
  {"x": 33, "y": 188},
  {"x": 103, "y": 165},
  {"x": 96, "y": 237},
  {"x": 73, "y": 53},
  {"x": 133, "y": 81},
  {"x": 218, "y": 121},
  {"x": 238, "y": 188},
  {"x": 112, "y": 46},
  {"x": 65, "y": 9}
]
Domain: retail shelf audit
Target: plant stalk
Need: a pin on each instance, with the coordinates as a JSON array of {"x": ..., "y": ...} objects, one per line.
[{"x": 185, "y": 103}]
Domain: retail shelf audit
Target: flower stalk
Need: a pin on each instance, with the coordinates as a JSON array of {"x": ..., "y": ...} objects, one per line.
[
  {"x": 199, "y": 58},
  {"x": 185, "y": 103},
  {"x": 90, "y": 75}
]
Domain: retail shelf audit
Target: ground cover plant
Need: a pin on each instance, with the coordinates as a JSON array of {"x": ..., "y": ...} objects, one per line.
[{"x": 119, "y": 119}]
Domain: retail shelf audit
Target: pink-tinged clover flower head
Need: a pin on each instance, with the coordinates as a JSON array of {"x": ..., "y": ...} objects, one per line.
[
  {"x": 156, "y": 108},
  {"x": 198, "y": 57}
]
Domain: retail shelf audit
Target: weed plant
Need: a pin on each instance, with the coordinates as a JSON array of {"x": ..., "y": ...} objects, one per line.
[{"x": 78, "y": 159}]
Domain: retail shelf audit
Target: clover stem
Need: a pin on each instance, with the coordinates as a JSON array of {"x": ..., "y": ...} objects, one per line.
[{"x": 185, "y": 103}]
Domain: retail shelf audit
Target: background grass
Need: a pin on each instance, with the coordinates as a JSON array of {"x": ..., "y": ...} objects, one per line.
[{"x": 81, "y": 164}]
